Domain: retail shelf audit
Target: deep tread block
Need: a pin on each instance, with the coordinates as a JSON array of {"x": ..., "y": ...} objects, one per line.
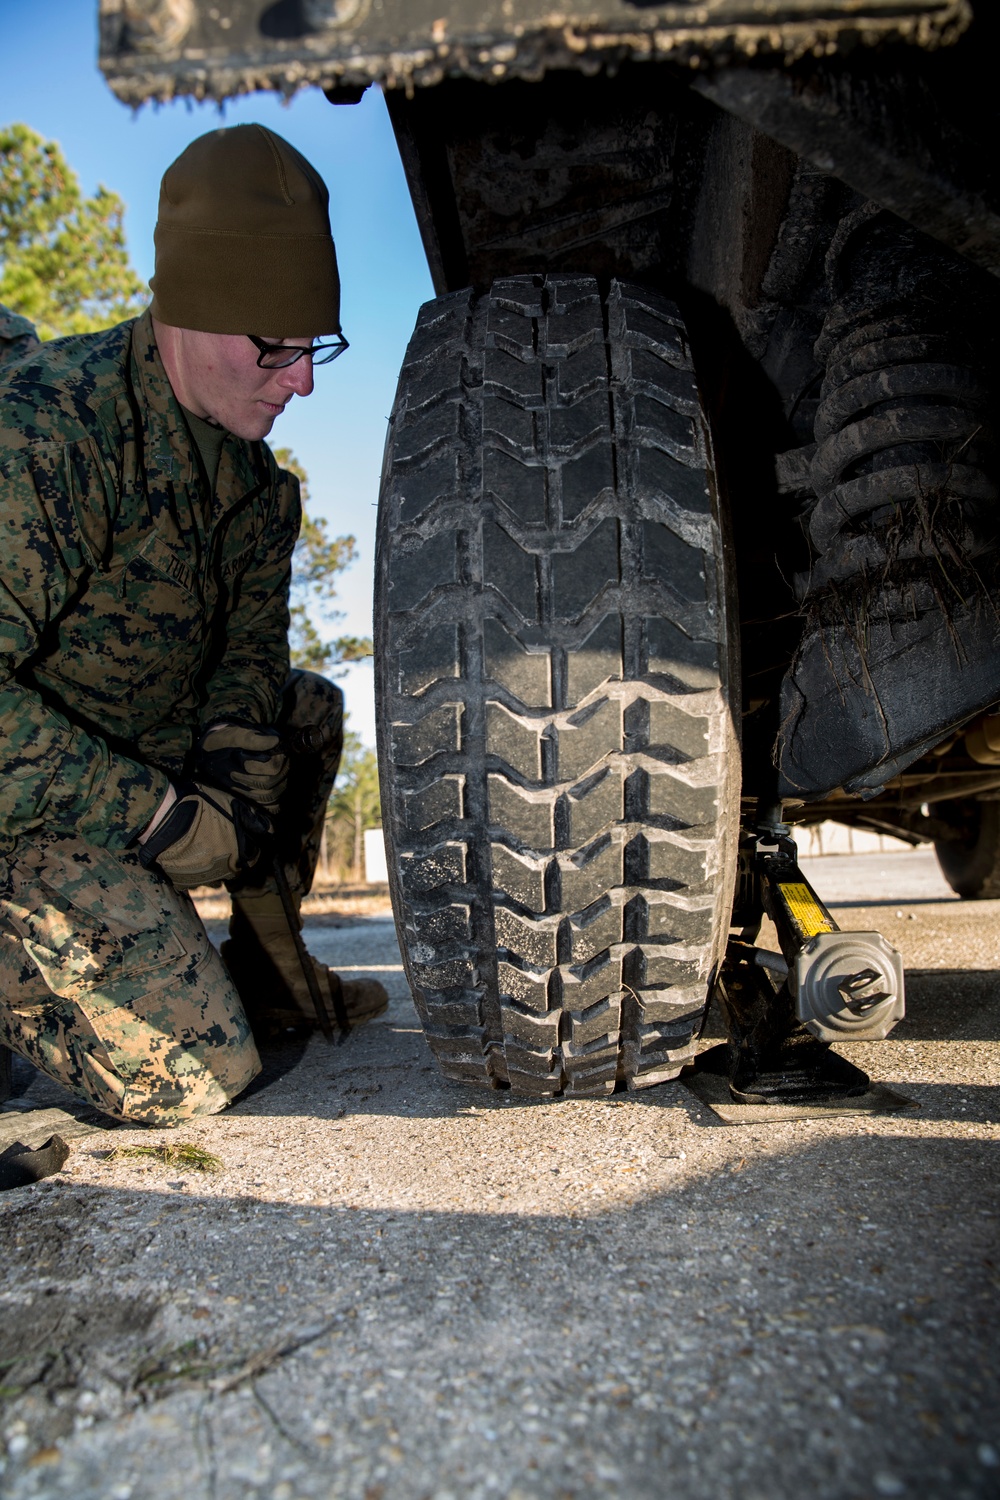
[
  {"x": 429, "y": 430},
  {"x": 529, "y": 816},
  {"x": 583, "y": 742},
  {"x": 525, "y": 674},
  {"x": 662, "y": 966},
  {"x": 519, "y": 486},
  {"x": 461, "y": 1056},
  {"x": 595, "y": 805},
  {"x": 427, "y": 484},
  {"x": 421, "y": 568},
  {"x": 535, "y": 1062},
  {"x": 673, "y": 857},
  {"x": 692, "y": 662},
  {"x": 585, "y": 478},
  {"x": 653, "y": 373},
  {"x": 513, "y": 379},
  {"x": 535, "y": 1031},
  {"x": 454, "y": 974},
  {"x": 675, "y": 727},
  {"x": 433, "y": 868},
  {"x": 585, "y": 422},
  {"x": 590, "y": 873},
  {"x": 597, "y": 660},
  {"x": 507, "y": 563},
  {"x": 660, "y": 474},
  {"x": 507, "y": 423},
  {"x": 438, "y": 731},
  {"x": 672, "y": 1007},
  {"x": 433, "y": 656},
  {"x": 519, "y": 877},
  {"x": 670, "y": 794},
  {"x": 434, "y": 804},
  {"x": 547, "y": 1087},
  {"x": 593, "y": 984},
  {"x": 594, "y": 931},
  {"x": 668, "y": 558},
  {"x": 513, "y": 741},
  {"x": 535, "y": 941},
  {"x": 669, "y": 919},
  {"x": 597, "y": 1024},
  {"x": 579, "y": 576},
  {"x": 561, "y": 827},
  {"x": 667, "y": 427},
  {"x": 439, "y": 927},
  {"x": 448, "y": 1010},
  {"x": 580, "y": 373},
  {"x": 526, "y": 986}
]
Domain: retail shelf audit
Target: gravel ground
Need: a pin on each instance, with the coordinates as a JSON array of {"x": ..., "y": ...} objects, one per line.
[{"x": 397, "y": 1287}]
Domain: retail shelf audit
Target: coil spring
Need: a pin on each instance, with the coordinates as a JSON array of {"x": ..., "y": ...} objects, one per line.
[{"x": 904, "y": 448}]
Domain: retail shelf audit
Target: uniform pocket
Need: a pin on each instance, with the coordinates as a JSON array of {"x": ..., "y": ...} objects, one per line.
[{"x": 93, "y": 920}]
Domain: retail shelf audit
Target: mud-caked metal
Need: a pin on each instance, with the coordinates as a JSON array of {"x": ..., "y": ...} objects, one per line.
[{"x": 160, "y": 48}]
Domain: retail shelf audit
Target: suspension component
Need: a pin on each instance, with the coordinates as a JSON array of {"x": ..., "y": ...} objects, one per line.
[
  {"x": 903, "y": 467},
  {"x": 901, "y": 641}
]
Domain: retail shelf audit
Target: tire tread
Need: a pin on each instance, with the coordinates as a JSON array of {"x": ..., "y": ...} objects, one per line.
[{"x": 553, "y": 676}]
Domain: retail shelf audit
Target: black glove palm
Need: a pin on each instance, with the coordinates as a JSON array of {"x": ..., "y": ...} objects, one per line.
[{"x": 246, "y": 759}]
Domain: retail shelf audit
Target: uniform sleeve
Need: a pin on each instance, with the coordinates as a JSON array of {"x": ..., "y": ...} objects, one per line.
[
  {"x": 54, "y": 773},
  {"x": 250, "y": 677}
]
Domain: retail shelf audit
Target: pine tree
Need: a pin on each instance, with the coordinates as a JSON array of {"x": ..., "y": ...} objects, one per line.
[
  {"x": 316, "y": 561},
  {"x": 63, "y": 259}
]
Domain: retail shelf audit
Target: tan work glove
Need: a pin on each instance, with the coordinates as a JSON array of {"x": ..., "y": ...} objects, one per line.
[
  {"x": 246, "y": 759},
  {"x": 207, "y": 836}
]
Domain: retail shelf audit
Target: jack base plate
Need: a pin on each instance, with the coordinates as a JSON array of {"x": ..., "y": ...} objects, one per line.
[{"x": 779, "y": 1094}]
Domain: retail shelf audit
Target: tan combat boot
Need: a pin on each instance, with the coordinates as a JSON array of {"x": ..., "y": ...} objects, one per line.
[{"x": 263, "y": 959}]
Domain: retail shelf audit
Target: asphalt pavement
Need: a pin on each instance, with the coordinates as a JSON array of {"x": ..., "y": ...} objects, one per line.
[{"x": 398, "y": 1287}]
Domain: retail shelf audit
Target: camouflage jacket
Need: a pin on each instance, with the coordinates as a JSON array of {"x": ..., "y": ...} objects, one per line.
[
  {"x": 133, "y": 606},
  {"x": 17, "y": 335}
]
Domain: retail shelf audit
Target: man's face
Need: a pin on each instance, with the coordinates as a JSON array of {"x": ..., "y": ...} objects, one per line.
[{"x": 216, "y": 375}]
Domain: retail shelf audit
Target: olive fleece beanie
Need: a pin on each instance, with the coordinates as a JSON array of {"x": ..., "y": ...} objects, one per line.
[{"x": 243, "y": 241}]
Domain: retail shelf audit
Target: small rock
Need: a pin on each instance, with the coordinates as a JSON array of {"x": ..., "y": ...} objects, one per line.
[
  {"x": 888, "y": 1484},
  {"x": 988, "y": 1456}
]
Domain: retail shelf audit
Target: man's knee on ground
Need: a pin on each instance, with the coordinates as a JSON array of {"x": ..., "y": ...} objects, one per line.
[
  {"x": 155, "y": 1078},
  {"x": 184, "y": 1096}
]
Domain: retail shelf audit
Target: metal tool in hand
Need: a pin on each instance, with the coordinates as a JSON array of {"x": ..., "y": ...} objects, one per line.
[{"x": 310, "y": 740}]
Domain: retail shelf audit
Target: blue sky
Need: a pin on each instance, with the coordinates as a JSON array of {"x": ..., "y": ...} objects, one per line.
[{"x": 52, "y": 83}]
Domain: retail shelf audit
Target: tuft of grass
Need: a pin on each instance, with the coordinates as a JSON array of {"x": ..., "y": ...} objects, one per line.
[
  {"x": 172, "y": 1154},
  {"x": 180, "y": 1363}
]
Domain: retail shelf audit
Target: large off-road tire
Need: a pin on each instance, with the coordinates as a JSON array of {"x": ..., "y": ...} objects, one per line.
[
  {"x": 555, "y": 671},
  {"x": 970, "y": 862}
]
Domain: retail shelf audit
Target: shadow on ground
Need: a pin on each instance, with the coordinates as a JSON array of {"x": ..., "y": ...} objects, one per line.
[{"x": 820, "y": 1321}]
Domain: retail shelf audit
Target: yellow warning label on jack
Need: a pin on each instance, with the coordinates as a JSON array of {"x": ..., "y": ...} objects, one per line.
[{"x": 805, "y": 909}]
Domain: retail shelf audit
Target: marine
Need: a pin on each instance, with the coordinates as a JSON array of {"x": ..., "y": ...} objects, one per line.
[{"x": 147, "y": 707}]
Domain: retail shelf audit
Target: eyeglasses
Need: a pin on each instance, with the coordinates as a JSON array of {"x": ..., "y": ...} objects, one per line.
[{"x": 278, "y": 356}]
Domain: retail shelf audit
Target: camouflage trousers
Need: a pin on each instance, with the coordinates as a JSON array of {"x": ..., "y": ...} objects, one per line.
[{"x": 108, "y": 981}]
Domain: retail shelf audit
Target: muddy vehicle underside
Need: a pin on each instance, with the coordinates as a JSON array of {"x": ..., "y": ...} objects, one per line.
[{"x": 688, "y": 527}]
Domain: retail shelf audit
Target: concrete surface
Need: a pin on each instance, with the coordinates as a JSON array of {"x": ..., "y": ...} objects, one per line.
[
  {"x": 878, "y": 879},
  {"x": 397, "y": 1287}
]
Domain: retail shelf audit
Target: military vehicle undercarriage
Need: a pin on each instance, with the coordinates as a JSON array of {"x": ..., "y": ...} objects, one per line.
[{"x": 688, "y": 527}]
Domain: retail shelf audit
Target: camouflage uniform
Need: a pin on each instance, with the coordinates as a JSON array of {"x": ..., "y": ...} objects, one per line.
[
  {"x": 17, "y": 336},
  {"x": 135, "y": 607}
]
